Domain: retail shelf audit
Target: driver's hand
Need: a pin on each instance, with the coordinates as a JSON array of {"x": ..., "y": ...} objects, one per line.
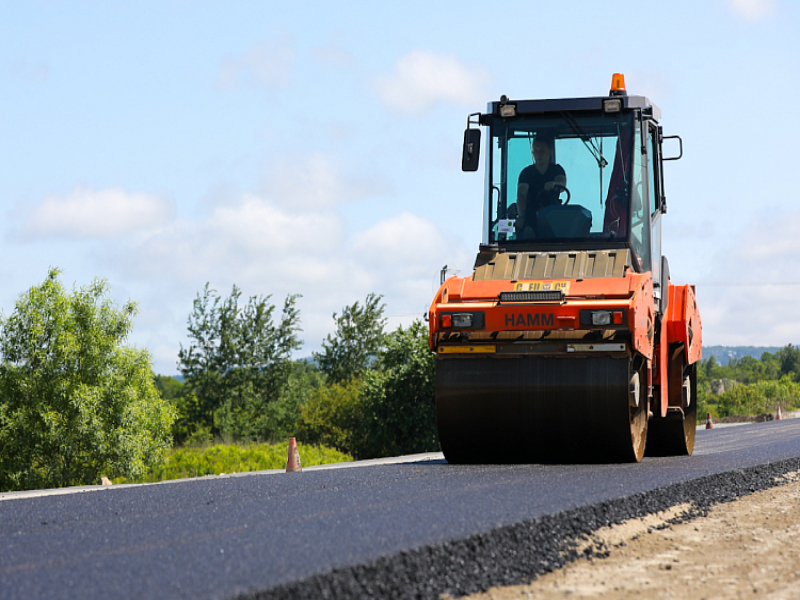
[{"x": 549, "y": 186}]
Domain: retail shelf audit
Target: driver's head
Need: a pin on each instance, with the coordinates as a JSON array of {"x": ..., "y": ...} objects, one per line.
[{"x": 542, "y": 150}]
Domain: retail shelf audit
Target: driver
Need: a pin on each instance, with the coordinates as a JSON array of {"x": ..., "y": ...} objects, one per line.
[{"x": 537, "y": 183}]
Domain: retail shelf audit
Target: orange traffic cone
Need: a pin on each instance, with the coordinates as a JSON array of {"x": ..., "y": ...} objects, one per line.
[
  {"x": 293, "y": 460},
  {"x": 778, "y": 415},
  {"x": 709, "y": 423}
]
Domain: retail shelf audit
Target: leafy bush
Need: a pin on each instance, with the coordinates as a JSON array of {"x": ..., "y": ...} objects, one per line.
[
  {"x": 75, "y": 401},
  {"x": 390, "y": 410},
  {"x": 760, "y": 397},
  {"x": 707, "y": 403},
  {"x": 217, "y": 459},
  {"x": 400, "y": 396},
  {"x": 749, "y": 386},
  {"x": 282, "y": 414},
  {"x": 335, "y": 416}
]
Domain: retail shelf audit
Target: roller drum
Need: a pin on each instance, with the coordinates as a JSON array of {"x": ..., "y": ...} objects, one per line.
[{"x": 537, "y": 409}]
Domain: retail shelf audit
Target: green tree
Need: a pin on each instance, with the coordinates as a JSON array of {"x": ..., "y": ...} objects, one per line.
[
  {"x": 283, "y": 414},
  {"x": 75, "y": 401},
  {"x": 185, "y": 430},
  {"x": 712, "y": 369},
  {"x": 335, "y": 416},
  {"x": 357, "y": 342},
  {"x": 169, "y": 387},
  {"x": 400, "y": 395},
  {"x": 389, "y": 410},
  {"x": 772, "y": 366},
  {"x": 789, "y": 361},
  {"x": 238, "y": 362}
]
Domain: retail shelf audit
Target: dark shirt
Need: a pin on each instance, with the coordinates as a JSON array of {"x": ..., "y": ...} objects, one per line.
[{"x": 535, "y": 180}]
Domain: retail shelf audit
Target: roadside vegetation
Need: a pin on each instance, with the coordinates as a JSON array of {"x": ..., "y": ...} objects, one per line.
[
  {"x": 78, "y": 403},
  {"x": 368, "y": 393},
  {"x": 195, "y": 461},
  {"x": 748, "y": 385}
]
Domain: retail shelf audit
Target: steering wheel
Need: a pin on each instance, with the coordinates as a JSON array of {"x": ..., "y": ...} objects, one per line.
[{"x": 561, "y": 188}]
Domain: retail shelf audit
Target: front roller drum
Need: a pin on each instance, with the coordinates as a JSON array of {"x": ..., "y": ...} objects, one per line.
[{"x": 540, "y": 409}]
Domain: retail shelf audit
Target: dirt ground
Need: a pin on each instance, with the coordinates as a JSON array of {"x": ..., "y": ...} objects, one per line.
[{"x": 749, "y": 548}]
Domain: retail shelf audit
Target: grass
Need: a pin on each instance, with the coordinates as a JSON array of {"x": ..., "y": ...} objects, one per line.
[{"x": 185, "y": 462}]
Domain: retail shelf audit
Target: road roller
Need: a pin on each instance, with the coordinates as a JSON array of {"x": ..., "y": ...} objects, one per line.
[{"x": 568, "y": 342}]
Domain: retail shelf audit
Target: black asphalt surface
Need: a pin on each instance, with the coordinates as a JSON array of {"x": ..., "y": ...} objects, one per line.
[{"x": 410, "y": 530}]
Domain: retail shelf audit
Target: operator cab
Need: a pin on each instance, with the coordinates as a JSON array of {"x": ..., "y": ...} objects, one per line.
[{"x": 609, "y": 150}]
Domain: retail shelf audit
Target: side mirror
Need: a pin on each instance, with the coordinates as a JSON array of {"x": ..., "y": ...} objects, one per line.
[
  {"x": 680, "y": 146},
  {"x": 470, "y": 156}
]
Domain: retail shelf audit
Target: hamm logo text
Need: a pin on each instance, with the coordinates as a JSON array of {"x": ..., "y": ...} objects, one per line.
[{"x": 522, "y": 320}]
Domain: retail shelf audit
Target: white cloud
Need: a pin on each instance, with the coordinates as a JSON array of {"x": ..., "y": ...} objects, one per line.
[
  {"x": 753, "y": 286},
  {"x": 752, "y": 9},
  {"x": 422, "y": 79},
  {"x": 406, "y": 239},
  {"x": 268, "y": 248},
  {"x": 268, "y": 64},
  {"x": 316, "y": 181},
  {"x": 403, "y": 255},
  {"x": 96, "y": 214},
  {"x": 250, "y": 240},
  {"x": 264, "y": 245},
  {"x": 767, "y": 249}
]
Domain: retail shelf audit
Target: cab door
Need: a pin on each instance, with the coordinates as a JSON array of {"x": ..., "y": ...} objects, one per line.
[{"x": 656, "y": 204}]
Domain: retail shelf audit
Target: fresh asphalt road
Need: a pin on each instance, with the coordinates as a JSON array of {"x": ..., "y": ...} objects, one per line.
[{"x": 220, "y": 537}]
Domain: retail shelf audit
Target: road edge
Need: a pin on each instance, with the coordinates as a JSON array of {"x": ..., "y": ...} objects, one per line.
[{"x": 517, "y": 554}]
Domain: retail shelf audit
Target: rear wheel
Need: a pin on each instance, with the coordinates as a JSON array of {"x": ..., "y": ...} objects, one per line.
[
  {"x": 637, "y": 415},
  {"x": 674, "y": 434}
]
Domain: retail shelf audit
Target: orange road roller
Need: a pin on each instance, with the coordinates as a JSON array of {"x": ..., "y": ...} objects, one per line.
[{"x": 568, "y": 342}]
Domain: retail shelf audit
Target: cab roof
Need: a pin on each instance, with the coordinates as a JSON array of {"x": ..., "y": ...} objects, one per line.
[{"x": 541, "y": 107}]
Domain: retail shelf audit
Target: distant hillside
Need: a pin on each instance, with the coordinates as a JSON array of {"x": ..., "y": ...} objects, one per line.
[{"x": 724, "y": 354}]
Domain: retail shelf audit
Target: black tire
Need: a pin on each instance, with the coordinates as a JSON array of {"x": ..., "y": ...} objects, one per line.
[{"x": 674, "y": 435}]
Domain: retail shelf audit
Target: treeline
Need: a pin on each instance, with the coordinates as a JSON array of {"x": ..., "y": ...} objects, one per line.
[
  {"x": 77, "y": 402},
  {"x": 368, "y": 393},
  {"x": 748, "y": 385}
]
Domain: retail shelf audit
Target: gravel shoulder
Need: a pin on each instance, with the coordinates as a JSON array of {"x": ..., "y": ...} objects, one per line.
[{"x": 747, "y": 548}]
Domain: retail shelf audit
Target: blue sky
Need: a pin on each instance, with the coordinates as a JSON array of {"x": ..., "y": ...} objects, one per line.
[{"x": 314, "y": 147}]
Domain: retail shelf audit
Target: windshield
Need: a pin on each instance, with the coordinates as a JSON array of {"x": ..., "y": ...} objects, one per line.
[{"x": 561, "y": 177}]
